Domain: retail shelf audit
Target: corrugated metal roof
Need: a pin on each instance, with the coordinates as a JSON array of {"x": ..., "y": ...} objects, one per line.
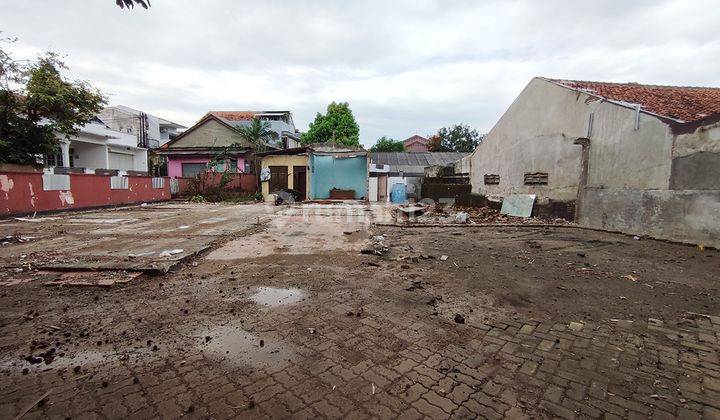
[{"x": 419, "y": 159}]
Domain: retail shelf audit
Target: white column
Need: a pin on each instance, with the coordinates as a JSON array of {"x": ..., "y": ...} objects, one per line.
[{"x": 65, "y": 150}]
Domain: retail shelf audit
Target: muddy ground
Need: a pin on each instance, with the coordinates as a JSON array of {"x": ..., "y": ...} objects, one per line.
[{"x": 285, "y": 316}]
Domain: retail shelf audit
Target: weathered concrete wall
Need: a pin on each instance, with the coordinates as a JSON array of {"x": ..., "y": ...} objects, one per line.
[
  {"x": 23, "y": 193},
  {"x": 210, "y": 133},
  {"x": 690, "y": 216},
  {"x": 696, "y": 160},
  {"x": 622, "y": 157},
  {"x": 535, "y": 134}
]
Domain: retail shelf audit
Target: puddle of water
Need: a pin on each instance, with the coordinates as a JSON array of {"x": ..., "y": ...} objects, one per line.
[
  {"x": 239, "y": 347},
  {"x": 272, "y": 297}
]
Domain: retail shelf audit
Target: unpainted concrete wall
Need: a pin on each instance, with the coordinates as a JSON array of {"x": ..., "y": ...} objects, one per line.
[
  {"x": 623, "y": 157},
  {"x": 210, "y": 133},
  {"x": 691, "y": 216},
  {"x": 696, "y": 160},
  {"x": 535, "y": 134}
]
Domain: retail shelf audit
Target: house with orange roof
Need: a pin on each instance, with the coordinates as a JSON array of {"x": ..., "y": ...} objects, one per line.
[
  {"x": 416, "y": 143},
  {"x": 191, "y": 151},
  {"x": 640, "y": 159}
]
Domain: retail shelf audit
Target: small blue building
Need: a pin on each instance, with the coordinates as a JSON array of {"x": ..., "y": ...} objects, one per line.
[{"x": 338, "y": 172}]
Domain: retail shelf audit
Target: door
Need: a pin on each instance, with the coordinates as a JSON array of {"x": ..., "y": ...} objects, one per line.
[
  {"x": 278, "y": 178},
  {"x": 382, "y": 187},
  {"x": 121, "y": 161},
  {"x": 300, "y": 181}
]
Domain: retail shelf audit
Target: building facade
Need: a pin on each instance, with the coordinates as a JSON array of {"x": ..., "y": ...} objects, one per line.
[
  {"x": 633, "y": 158},
  {"x": 150, "y": 131},
  {"x": 416, "y": 144},
  {"x": 192, "y": 151},
  {"x": 97, "y": 147},
  {"x": 407, "y": 168}
]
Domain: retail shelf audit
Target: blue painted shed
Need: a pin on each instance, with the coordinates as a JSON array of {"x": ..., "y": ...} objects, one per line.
[{"x": 343, "y": 171}]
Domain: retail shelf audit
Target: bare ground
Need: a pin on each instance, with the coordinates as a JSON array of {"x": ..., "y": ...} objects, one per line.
[{"x": 289, "y": 319}]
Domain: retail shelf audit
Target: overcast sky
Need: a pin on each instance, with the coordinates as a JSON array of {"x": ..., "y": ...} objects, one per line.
[{"x": 405, "y": 67}]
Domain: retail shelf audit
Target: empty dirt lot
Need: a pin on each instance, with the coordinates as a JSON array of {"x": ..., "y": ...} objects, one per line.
[{"x": 281, "y": 312}]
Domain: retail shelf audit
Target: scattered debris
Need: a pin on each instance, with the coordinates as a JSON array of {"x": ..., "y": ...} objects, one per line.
[
  {"x": 16, "y": 239},
  {"x": 171, "y": 252},
  {"x": 518, "y": 205},
  {"x": 462, "y": 217},
  {"x": 576, "y": 326},
  {"x": 630, "y": 277},
  {"x": 377, "y": 247},
  {"x": 412, "y": 210},
  {"x": 29, "y": 407},
  {"x": 415, "y": 285},
  {"x": 443, "y": 258}
]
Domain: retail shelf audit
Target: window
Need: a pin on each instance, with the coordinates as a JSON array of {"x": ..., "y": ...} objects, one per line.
[
  {"x": 53, "y": 160},
  {"x": 492, "y": 179},
  {"x": 232, "y": 166},
  {"x": 537, "y": 178},
  {"x": 189, "y": 170}
]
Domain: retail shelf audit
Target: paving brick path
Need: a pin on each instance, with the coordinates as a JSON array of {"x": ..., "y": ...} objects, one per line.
[{"x": 360, "y": 368}]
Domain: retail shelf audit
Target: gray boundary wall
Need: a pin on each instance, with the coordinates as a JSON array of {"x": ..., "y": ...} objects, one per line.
[{"x": 690, "y": 216}]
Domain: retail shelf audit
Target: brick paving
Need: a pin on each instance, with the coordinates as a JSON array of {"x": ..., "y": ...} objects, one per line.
[
  {"x": 358, "y": 368},
  {"x": 361, "y": 345}
]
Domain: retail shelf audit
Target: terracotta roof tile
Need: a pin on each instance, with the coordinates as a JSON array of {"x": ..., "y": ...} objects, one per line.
[
  {"x": 235, "y": 115},
  {"x": 688, "y": 104},
  {"x": 415, "y": 138}
]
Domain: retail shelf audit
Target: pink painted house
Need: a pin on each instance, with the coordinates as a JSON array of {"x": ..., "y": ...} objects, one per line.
[{"x": 190, "y": 152}]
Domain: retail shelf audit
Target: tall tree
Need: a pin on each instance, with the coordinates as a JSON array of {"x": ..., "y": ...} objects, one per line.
[
  {"x": 258, "y": 134},
  {"x": 435, "y": 144},
  {"x": 338, "y": 125},
  {"x": 456, "y": 138},
  {"x": 386, "y": 144},
  {"x": 38, "y": 106}
]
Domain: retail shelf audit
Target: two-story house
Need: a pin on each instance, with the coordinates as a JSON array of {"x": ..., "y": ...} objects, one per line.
[
  {"x": 96, "y": 146},
  {"x": 150, "y": 131}
]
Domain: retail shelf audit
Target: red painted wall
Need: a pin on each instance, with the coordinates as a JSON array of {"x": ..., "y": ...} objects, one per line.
[
  {"x": 239, "y": 182},
  {"x": 23, "y": 193}
]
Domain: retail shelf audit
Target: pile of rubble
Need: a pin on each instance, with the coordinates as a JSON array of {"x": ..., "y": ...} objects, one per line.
[{"x": 443, "y": 214}]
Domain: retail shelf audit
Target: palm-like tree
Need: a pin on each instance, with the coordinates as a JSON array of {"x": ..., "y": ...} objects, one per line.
[{"x": 258, "y": 134}]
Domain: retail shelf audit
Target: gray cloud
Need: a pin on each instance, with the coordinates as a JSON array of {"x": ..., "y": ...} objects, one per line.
[{"x": 405, "y": 66}]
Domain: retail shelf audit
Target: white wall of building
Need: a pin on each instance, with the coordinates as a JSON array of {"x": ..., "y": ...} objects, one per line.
[
  {"x": 537, "y": 134},
  {"x": 89, "y": 155}
]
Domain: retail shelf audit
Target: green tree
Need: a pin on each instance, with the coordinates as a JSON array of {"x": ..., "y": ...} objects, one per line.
[
  {"x": 385, "y": 144},
  {"x": 337, "y": 125},
  {"x": 258, "y": 134},
  {"x": 456, "y": 138},
  {"x": 38, "y": 106}
]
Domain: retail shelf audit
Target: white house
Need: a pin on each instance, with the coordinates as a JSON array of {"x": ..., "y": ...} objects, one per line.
[
  {"x": 96, "y": 146},
  {"x": 150, "y": 131},
  {"x": 639, "y": 159}
]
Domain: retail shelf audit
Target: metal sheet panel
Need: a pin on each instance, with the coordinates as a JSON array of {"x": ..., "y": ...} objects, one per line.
[{"x": 519, "y": 205}]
